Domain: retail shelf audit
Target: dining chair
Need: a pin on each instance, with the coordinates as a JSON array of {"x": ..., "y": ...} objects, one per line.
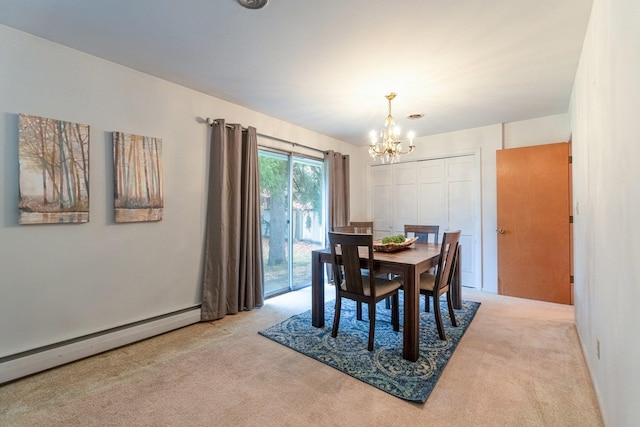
[
  {"x": 344, "y": 229},
  {"x": 362, "y": 226},
  {"x": 422, "y": 232},
  {"x": 434, "y": 285},
  {"x": 354, "y": 284},
  {"x": 353, "y": 229}
]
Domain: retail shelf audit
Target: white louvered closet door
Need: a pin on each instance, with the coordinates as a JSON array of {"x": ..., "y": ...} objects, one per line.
[{"x": 444, "y": 192}]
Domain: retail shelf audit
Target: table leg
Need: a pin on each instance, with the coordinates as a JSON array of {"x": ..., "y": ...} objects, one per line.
[
  {"x": 411, "y": 343},
  {"x": 317, "y": 290}
]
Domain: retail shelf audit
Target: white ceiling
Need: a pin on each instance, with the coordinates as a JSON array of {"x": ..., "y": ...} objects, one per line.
[{"x": 327, "y": 64}]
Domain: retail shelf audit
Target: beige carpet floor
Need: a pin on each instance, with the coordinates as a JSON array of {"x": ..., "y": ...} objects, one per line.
[{"x": 519, "y": 364}]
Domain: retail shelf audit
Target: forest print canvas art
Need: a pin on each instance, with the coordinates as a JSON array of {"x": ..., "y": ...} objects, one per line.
[
  {"x": 54, "y": 171},
  {"x": 138, "y": 178}
]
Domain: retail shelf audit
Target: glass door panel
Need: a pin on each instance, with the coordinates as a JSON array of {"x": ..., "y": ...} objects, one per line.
[
  {"x": 308, "y": 221},
  {"x": 274, "y": 212},
  {"x": 291, "y": 207}
]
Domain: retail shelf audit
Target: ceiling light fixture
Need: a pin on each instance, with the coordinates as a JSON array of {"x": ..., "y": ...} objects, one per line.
[
  {"x": 253, "y": 4},
  {"x": 389, "y": 147}
]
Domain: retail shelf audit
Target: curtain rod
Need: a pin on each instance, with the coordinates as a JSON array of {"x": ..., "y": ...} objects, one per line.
[{"x": 210, "y": 122}]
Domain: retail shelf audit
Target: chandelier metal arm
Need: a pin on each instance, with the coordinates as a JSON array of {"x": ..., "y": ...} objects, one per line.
[{"x": 391, "y": 151}]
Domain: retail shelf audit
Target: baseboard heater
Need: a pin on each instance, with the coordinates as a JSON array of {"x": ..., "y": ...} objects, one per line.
[{"x": 36, "y": 360}]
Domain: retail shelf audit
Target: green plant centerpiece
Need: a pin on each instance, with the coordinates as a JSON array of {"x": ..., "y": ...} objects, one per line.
[
  {"x": 393, "y": 243},
  {"x": 394, "y": 239}
]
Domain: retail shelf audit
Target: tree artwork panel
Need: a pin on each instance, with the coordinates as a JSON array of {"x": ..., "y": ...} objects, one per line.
[
  {"x": 54, "y": 171},
  {"x": 138, "y": 178}
]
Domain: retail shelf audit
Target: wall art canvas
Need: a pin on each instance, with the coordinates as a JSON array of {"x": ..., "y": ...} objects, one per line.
[
  {"x": 54, "y": 171},
  {"x": 137, "y": 178}
]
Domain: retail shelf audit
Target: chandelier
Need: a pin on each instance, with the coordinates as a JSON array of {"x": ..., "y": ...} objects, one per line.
[{"x": 389, "y": 147}]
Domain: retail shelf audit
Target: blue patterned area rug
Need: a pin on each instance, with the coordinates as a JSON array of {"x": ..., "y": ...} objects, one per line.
[{"x": 383, "y": 367}]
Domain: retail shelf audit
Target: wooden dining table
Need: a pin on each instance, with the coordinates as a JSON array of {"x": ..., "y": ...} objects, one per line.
[{"x": 410, "y": 263}]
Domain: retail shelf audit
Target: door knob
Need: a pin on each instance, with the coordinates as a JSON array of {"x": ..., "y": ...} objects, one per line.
[{"x": 501, "y": 231}]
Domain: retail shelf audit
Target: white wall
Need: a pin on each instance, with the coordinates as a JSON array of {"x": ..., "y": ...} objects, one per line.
[
  {"x": 605, "y": 123},
  {"x": 542, "y": 130},
  {"x": 59, "y": 282}
]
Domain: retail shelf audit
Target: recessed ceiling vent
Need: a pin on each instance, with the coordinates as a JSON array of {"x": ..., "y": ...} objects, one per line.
[{"x": 253, "y": 4}]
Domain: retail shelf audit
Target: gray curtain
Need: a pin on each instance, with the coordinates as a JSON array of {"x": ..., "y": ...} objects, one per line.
[
  {"x": 233, "y": 275},
  {"x": 338, "y": 189}
]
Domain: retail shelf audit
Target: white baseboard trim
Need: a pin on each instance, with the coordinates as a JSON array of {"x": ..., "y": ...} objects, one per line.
[{"x": 31, "y": 362}]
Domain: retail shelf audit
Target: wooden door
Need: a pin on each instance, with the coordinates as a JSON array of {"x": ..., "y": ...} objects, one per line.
[{"x": 533, "y": 222}]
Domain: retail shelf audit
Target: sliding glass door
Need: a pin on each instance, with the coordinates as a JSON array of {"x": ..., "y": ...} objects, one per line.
[{"x": 291, "y": 207}]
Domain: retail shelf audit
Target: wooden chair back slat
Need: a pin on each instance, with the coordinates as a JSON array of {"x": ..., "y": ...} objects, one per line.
[{"x": 446, "y": 264}]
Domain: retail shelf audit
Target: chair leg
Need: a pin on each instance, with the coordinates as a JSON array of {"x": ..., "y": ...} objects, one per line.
[
  {"x": 387, "y": 301},
  {"x": 436, "y": 313},
  {"x": 336, "y": 318},
  {"x": 395, "y": 312},
  {"x": 452, "y": 315},
  {"x": 358, "y": 310},
  {"x": 372, "y": 324},
  {"x": 426, "y": 303}
]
